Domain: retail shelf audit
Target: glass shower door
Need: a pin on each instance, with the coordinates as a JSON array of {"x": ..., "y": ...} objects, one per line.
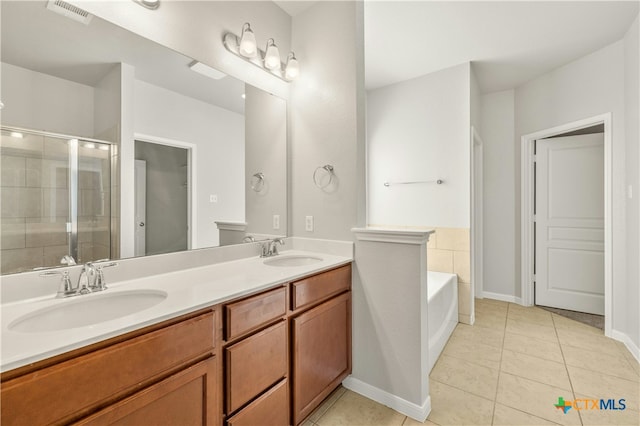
[{"x": 54, "y": 200}]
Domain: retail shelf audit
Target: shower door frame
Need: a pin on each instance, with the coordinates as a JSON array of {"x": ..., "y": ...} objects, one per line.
[{"x": 72, "y": 225}]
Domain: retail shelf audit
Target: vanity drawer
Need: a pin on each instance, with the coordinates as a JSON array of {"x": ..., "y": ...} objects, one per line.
[
  {"x": 271, "y": 409},
  {"x": 249, "y": 314},
  {"x": 319, "y": 287},
  {"x": 254, "y": 364},
  {"x": 75, "y": 387}
]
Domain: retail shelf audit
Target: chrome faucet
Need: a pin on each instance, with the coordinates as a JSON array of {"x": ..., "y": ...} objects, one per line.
[
  {"x": 270, "y": 248},
  {"x": 91, "y": 279},
  {"x": 87, "y": 279}
]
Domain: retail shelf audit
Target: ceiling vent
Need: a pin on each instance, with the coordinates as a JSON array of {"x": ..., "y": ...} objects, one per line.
[{"x": 70, "y": 11}]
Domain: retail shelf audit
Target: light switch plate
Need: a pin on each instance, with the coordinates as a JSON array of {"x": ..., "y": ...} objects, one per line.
[
  {"x": 213, "y": 198},
  {"x": 276, "y": 221}
]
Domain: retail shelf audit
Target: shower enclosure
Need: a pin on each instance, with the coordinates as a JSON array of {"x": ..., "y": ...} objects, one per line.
[{"x": 55, "y": 199}]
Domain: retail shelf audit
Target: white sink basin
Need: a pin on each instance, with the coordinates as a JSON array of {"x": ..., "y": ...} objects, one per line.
[
  {"x": 85, "y": 310},
  {"x": 292, "y": 260}
]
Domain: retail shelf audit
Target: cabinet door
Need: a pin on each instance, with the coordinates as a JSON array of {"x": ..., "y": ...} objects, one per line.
[
  {"x": 186, "y": 398},
  {"x": 321, "y": 356}
]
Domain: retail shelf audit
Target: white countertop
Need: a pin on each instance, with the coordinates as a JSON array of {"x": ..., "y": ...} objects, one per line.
[{"x": 188, "y": 290}]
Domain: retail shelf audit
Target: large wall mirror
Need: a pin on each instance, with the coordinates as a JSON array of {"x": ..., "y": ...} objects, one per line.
[{"x": 114, "y": 146}]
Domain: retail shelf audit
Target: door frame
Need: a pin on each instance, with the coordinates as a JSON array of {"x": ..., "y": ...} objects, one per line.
[
  {"x": 192, "y": 201},
  {"x": 527, "y": 202}
]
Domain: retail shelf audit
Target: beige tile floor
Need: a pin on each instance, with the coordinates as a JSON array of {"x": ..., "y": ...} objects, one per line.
[{"x": 509, "y": 369}]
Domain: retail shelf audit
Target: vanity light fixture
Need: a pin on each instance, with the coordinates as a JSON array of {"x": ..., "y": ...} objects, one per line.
[
  {"x": 149, "y": 4},
  {"x": 268, "y": 60},
  {"x": 248, "y": 46},
  {"x": 292, "y": 69},
  {"x": 272, "y": 56}
]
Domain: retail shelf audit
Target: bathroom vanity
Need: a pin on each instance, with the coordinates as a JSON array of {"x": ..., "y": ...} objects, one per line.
[{"x": 268, "y": 357}]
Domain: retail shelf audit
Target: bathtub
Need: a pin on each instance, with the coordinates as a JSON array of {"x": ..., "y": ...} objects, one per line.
[{"x": 442, "y": 301}]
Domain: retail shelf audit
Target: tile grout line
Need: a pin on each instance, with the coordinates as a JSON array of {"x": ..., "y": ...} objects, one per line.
[
  {"x": 329, "y": 407},
  {"x": 461, "y": 390},
  {"x": 495, "y": 395},
  {"x": 566, "y": 368}
]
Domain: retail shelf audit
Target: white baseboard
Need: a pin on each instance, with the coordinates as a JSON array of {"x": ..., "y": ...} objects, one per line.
[
  {"x": 624, "y": 338},
  {"x": 416, "y": 412},
  {"x": 502, "y": 297}
]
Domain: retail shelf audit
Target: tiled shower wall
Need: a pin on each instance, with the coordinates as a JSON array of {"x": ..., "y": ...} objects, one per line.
[
  {"x": 35, "y": 207},
  {"x": 449, "y": 250}
]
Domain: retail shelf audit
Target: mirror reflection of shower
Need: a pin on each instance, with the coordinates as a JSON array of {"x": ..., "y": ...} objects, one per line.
[
  {"x": 161, "y": 198},
  {"x": 56, "y": 199}
]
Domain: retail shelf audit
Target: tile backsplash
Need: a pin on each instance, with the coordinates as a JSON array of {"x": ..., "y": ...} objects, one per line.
[{"x": 449, "y": 250}]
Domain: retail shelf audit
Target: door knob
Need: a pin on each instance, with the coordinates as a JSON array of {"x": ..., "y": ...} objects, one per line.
[{"x": 141, "y": 224}]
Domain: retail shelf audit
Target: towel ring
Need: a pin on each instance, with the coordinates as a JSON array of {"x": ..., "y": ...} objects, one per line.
[
  {"x": 323, "y": 176},
  {"x": 257, "y": 181}
]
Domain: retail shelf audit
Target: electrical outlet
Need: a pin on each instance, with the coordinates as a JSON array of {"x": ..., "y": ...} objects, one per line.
[
  {"x": 276, "y": 221},
  {"x": 308, "y": 223},
  {"x": 213, "y": 198}
]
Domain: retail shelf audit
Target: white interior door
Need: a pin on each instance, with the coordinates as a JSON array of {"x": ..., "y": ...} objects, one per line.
[
  {"x": 569, "y": 223},
  {"x": 140, "y": 208}
]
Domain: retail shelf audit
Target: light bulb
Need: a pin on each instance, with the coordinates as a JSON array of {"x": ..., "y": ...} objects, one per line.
[
  {"x": 248, "y": 47},
  {"x": 272, "y": 56},
  {"x": 293, "y": 67}
]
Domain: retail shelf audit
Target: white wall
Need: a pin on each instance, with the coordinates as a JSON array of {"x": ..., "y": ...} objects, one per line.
[
  {"x": 41, "y": 102},
  {"x": 632, "y": 135},
  {"x": 196, "y": 29},
  {"x": 419, "y": 130},
  {"x": 499, "y": 251},
  {"x": 327, "y": 125},
  {"x": 218, "y": 135},
  {"x": 589, "y": 86},
  {"x": 107, "y": 106},
  {"x": 265, "y": 152}
]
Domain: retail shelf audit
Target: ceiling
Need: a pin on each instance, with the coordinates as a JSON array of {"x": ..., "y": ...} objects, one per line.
[
  {"x": 38, "y": 39},
  {"x": 294, "y": 7},
  {"x": 509, "y": 42}
]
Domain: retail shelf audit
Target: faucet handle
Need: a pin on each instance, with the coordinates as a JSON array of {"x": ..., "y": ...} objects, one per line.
[
  {"x": 101, "y": 283},
  {"x": 68, "y": 260},
  {"x": 65, "y": 289}
]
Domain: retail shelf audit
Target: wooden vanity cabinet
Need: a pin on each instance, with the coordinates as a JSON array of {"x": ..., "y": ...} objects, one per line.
[
  {"x": 321, "y": 338},
  {"x": 146, "y": 374},
  {"x": 287, "y": 349},
  {"x": 256, "y": 360},
  {"x": 268, "y": 359}
]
